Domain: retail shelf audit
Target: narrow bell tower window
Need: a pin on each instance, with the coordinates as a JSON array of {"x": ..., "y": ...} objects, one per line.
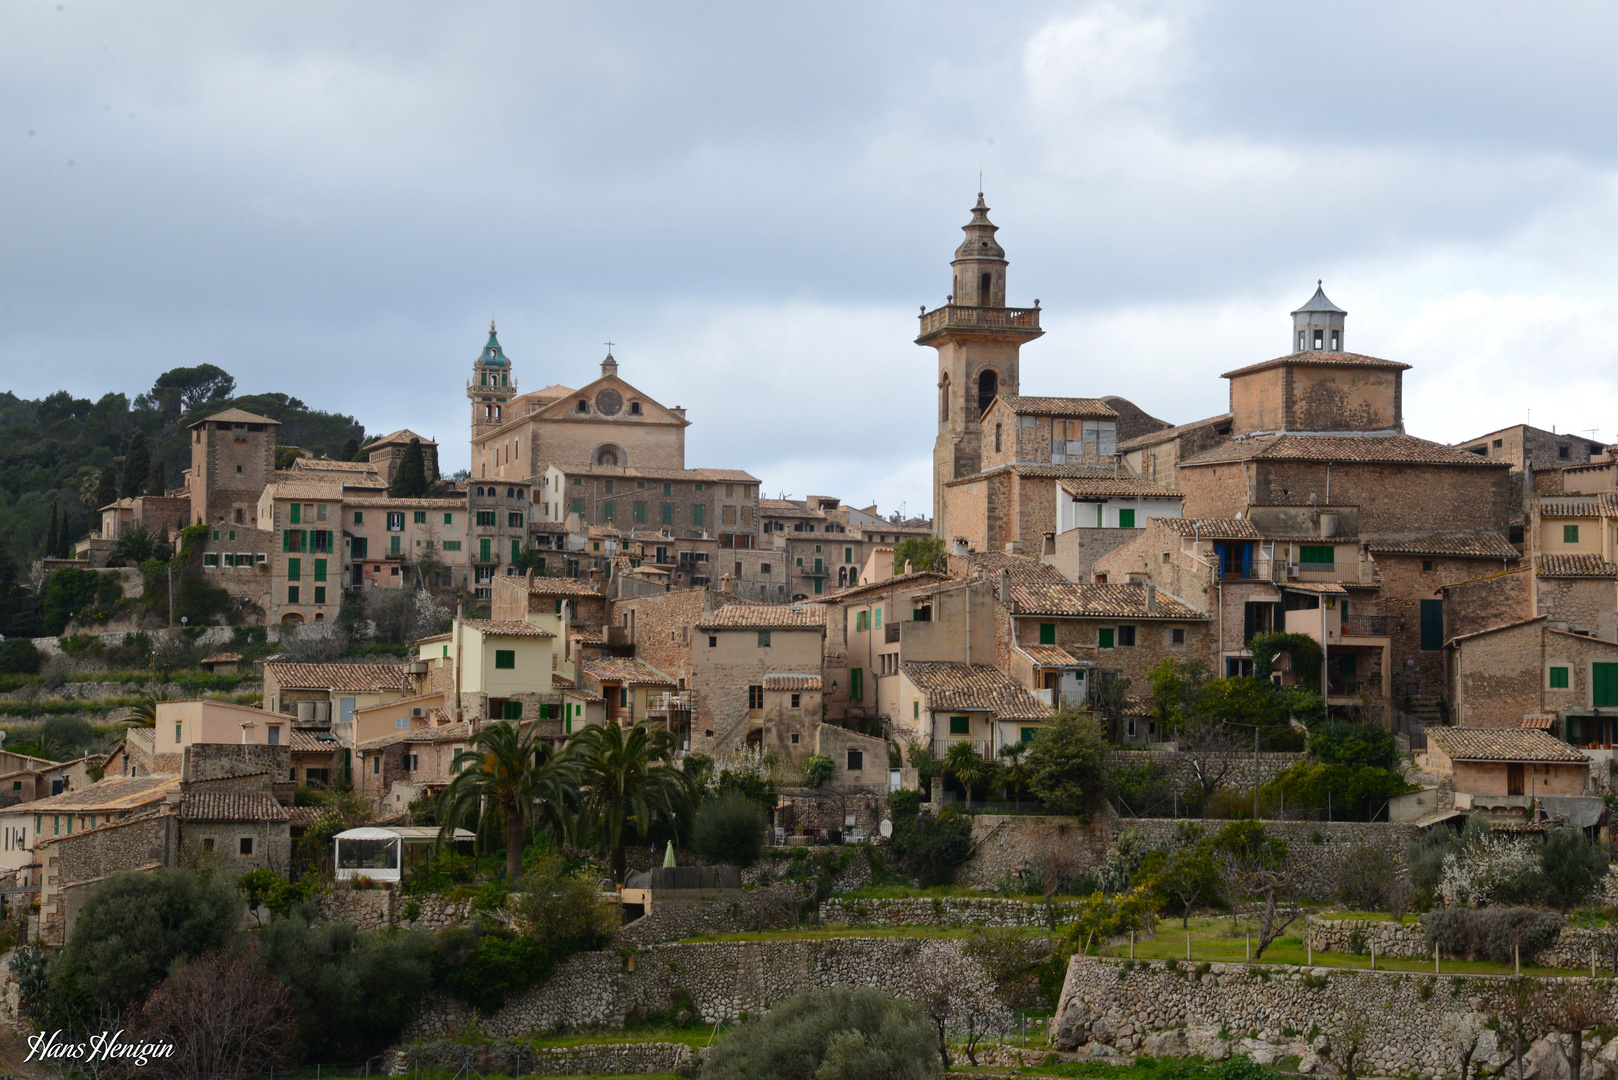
[
  {"x": 1335, "y": 347},
  {"x": 997, "y": 438},
  {"x": 943, "y": 399},
  {"x": 985, "y": 285},
  {"x": 1318, "y": 335},
  {"x": 988, "y": 386},
  {"x": 1300, "y": 341}
]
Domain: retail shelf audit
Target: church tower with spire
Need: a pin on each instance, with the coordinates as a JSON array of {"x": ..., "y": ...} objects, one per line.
[
  {"x": 979, "y": 340},
  {"x": 491, "y": 387}
]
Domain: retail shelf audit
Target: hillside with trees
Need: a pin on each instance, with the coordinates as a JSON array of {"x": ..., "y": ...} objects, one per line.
[{"x": 62, "y": 456}]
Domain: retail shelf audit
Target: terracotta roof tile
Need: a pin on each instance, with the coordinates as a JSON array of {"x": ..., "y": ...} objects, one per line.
[
  {"x": 1502, "y": 744},
  {"x": 221, "y": 658},
  {"x": 302, "y": 817},
  {"x": 1322, "y": 588},
  {"x": 1049, "y": 655},
  {"x": 116, "y": 794},
  {"x": 1096, "y": 601},
  {"x": 307, "y": 742},
  {"x": 401, "y": 437},
  {"x": 1321, "y": 359},
  {"x": 550, "y": 586},
  {"x": 1023, "y": 568},
  {"x": 735, "y": 476},
  {"x": 1155, "y": 438},
  {"x": 764, "y": 617},
  {"x": 973, "y": 686},
  {"x": 1476, "y": 544},
  {"x": 384, "y": 502},
  {"x": 898, "y": 581},
  {"x": 1120, "y": 486},
  {"x": 1211, "y": 528},
  {"x": 1059, "y": 406},
  {"x": 792, "y": 682},
  {"x": 360, "y": 678},
  {"x": 506, "y": 628},
  {"x": 1575, "y": 566},
  {"x": 1044, "y": 472},
  {"x": 1367, "y": 449},
  {"x": 328, "y": 465},
  {"x": 232, "y": 806},
  {"x": 235, "y": 416},
  {"x": 461, "y": 732},
  {"x": 623, "y": 669}
]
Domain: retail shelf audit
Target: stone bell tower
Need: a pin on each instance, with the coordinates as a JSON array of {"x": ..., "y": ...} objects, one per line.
[
  {"x": 490, "y": 388},
  {"x": 978, "y": 340}
]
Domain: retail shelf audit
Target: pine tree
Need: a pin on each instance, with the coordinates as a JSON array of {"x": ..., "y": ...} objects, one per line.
[
  {"x": 156, "y": 480},
  {"x": 410, "y": 482},
  {"x": 351, "y": 450},
  {"x": 137, "y": 467},
  {"x": 106, "y": 488},
  {"x": 52, "y": 538}
]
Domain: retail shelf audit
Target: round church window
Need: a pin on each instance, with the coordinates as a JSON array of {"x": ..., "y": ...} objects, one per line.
[{"x": 609, "y": 402}]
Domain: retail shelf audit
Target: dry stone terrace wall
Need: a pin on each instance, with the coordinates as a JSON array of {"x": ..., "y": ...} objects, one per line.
[
  {"x": 515, "y": 1059},
  {"x": 1239, "y": 770},
  {"x": 948, "y": 911},
  {"x": 375, "y": 909},
  {"x": 1572, "y": 948},
  {"x": 720, "y": 980},
  {"x": 1152, "y": 1008},
  {"x": 720, "y": 911},
  {"x": 1005, "y": 845}
]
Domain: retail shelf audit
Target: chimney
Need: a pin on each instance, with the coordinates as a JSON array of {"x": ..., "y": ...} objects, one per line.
[
  {"x": 908, "y": 569},
  {"x": 1005, "y": 586},
  {"x": 1151, "y": 598},
  {"x": 727, "y": 585},
  {"x": 707, "y": 600},
  {"x": 960, "y": 548},
  {"x": 530, "y": 579},
  {"x": 595, "y": 575}
]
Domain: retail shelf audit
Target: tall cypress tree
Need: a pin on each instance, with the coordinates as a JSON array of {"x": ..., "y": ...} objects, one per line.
[
  {"x": 156, "y": 480},
  {"x": 137, "y": 467},
  {"x": 410, "y": 482},
  {"x": 64, "y": 539},
  {"x": 52, "y": 538},
  {"x": 106, "y": 487}
]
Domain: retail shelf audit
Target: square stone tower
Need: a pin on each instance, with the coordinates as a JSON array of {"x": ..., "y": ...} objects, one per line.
[{"x": 232, "y": 461}]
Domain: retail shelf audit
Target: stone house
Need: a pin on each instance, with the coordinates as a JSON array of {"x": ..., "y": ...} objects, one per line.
[
  {"x": 23, "y": 827},
  {"x": 384, "y": 454},
  {"x": 515, "y": 599},
  {"x": 232, "y": 461},
  {"x": 397, "y": 769},
  {"x": 160, "y": 514},
  {"x": 322, "y": 694},
  {"x": 1532, "y": 672},
  {"x": 1020, "y": 430},
  {"x": 733, "y": 650},
  {"x": 502, "y": 669},
  {"x": 24, "y": 778},
  {"x": 1017, "y": 504},
  {"x": 240, "y": 830},
  {"x": 1156, "y": 455},
  {"x": 633, "y": 690},
  {"x": 942, "y": 704},
  {"x": 405, "y": 543},
  {"x": 390, "y": 718},
  {"x": 1505, "y": 770},
  {"x": 70, "y": 867},
  {"x": 306, "y": 580}
]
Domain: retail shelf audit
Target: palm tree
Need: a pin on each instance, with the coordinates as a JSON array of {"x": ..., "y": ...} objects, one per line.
[
  {"x": 135, "y": 546},
  {"x": 1013, "y": 753},
  {"x": 965, "y": 764},
  {"x": 144, "y": 713},
  {"x": 508, "y": 772},
  {"x": 628, "y": 774}
]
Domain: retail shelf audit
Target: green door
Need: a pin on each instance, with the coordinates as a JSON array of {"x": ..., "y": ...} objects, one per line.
[
  {"x": 1432, "y": 624},
  {"x": 1604, "y": 684}
]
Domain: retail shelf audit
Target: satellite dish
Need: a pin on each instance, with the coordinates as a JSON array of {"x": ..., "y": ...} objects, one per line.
[{"x": 886, "y": 828}]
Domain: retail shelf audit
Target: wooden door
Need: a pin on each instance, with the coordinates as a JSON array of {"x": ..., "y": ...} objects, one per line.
[{"x": 1514, "y": 779}]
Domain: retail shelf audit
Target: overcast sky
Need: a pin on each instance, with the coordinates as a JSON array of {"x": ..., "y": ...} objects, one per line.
[{"x": 752, "y": 201}]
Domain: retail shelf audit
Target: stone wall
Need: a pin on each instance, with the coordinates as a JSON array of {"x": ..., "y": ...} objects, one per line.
[
  {"x": 1219, "y": 1009},
  {"x": 514, "y": 1059},
  {"x": 374, "y": 909},
  {"x": 939, "y": 911},
  {"x": 1239, "y": 769},
  {"x": 1005, "y": 844},
  {"x": 676, "y": 914},
  {"x": 1571, "y": 949},
  {"x": 716, "y": 980}
]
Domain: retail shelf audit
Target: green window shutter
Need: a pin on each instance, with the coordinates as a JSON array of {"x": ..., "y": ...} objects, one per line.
[
  {"x": 1317, "y": 555},
  {"x": 668, "y": 489},
  {"x": 1604, "y": 684},
  {"x": 578, "y": 506},
  {"x": 320, "y": 594},
  {"x": 819, "y": 583},
  {"x": 668, "y": 512},
  {"x": 1047, "y": 633},
  {"x": 513, "y": 711},
  {"x": 292, "y": 594},
  {"x": 1570, "y": 534},
  {"x": 516, "y": 551},
  {"x": 1559, "y": 678},
  {"x": 1126, "y": 519},
  {"x": 876, "y": 617},
  {"x": 1432, "y": 624},
  {"x": 449, "y": 519},
  {"x": 915, "y": 710},
  {"x": 856, "y": 684},
  {"x": 607, "y": 511},
  {"x": 640, "y": 513},
  {"x": 286, "y": 540},
  {"x": 764, "y": 639},
  {"x": 320, "y": 569},
  {"x": 505, "y": 659},
  {"x": 296, "y": 511},
  {"x": 696, "y": 517},
  {"x": 420, "y": 517},
  {"x": 483, "y": 550},
  {"x": 960, "y": 725},
  {"x": 359, "y": 517},
  {"x": 1029, "y": 734},
  {"x": 1104, "y": 637},
  {"x": 294, "y": 569},
  {"x": 393, "y": 545}
]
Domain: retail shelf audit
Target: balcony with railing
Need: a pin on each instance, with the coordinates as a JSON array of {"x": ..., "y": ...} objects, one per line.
[
  {"x": 668, "y": 704},
  {"x": 1365, "y": 626},
  {"x": 942, "y": 746},
  {"x": 961, "y": 316}
]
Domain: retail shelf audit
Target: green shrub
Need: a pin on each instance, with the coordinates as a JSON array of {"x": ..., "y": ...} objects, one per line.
[
  {"x": 1573, "y": 867},
  {"x": 817, "y": 770},
  {"x": 18, "y": 656},
  {"x": 561, "y": 908},
  {"x": 1490, "y": 933},
  {"x": 928, "y": 848},
  {"x": 729, "y": 830},
  {"x": 842, "y": 1033},
  {"x": 501, "y": 964},
  {"x": 1366, "y": 878},
  {"x": 1067, "y": 763}
]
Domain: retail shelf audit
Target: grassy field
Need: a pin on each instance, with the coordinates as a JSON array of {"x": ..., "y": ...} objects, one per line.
[
  {"x": 1215, "y": 940},
  {"x": 816, "y": 933}
]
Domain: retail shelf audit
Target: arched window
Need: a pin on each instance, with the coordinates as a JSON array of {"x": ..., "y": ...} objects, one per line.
[
  {"x": 997, "y": 438},
  {"x": 497, "y": 412},
  {"x": 985, "y": 290},
  {"x": 988, "y": 386},
  {"x": 607, "y": 455},
  {"x": 943, "y": 399}
]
